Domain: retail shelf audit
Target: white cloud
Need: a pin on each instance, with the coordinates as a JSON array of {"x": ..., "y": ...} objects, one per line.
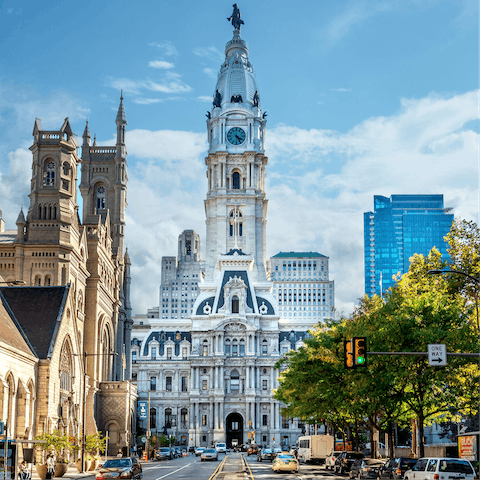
[
  {"x": 341, "y": 89},
  {"x": 204, "y": 98},
  {"x": 209, "y": 52},
  {"x": 171, "y": 83},
  {"x": 146, "y": 101},
  {"x": 160, "y": 64},
  {"x": 167, "y": 48},
  {"x": 210, "y": 72}
]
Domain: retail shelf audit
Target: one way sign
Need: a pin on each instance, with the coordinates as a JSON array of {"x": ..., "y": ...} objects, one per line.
[{"x": 437, "y": 354}]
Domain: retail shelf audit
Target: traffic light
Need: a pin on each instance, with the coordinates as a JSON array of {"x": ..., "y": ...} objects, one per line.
[
  {"x": 348, "y": 354},
  {"x": 360, "y": 351}
]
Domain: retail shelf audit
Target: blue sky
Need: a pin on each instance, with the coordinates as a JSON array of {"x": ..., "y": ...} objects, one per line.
[{"x": 363, "y": 98}]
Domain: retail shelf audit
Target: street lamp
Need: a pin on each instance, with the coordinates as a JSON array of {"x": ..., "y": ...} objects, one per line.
[{"x": 85, "y": 355}]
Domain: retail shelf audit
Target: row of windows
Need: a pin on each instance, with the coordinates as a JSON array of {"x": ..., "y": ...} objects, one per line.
[{"x": 7, "y": 254}]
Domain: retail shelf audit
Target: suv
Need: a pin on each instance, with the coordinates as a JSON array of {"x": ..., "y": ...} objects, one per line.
[
  {"x": 330, "y": 460},
  {"x": 163, "y": 453},
  {"x": 221, "y": 447},
  {"x": 441, "y": 468},
  {"x": 395, "y": 468},
  {"x": 345, "y": 460}
]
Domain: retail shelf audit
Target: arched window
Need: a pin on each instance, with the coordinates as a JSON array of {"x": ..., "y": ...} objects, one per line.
[
  {"x": 49, "y": 174},
  {"x": 236, "y": 222},
  {"x": 236, "y": 181},
  {"x": 235, "y": 347},
  {"x": 100, "y": 197},
  {"x": 242, "y": 347},
  {"x": 234, "y": 380},
  {"x": 168, "y": 417},
  {"x": 205, "y": 348},
  {"x": 38, "y": 280},
  {"x": 227, "y": 347},
  {"x": 264, "y": 348},
  {"x": 235, "y": 304},
  {"x": 48, "y": 281},
  {"x": 66, "y": 368},
  {"x": 40, "y": 212}
]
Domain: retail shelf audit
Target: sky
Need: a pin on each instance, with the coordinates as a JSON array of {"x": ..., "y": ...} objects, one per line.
[{"x": 363, "y": 98}]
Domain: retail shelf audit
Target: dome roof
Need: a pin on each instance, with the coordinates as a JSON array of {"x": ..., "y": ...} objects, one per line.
[{"x": 236, "y": 82}]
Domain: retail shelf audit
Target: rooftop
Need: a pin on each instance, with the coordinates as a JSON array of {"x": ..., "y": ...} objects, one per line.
[{"x": 298, "y": 255}]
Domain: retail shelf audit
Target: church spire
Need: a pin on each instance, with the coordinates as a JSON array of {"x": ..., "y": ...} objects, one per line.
[
  {"x": 86, "y": 135},
  {"x": 121, "y": 122}
]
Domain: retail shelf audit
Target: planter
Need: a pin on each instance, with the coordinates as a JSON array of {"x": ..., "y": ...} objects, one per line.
[
  {"x": 78, "y": 464},
  {"x": 41, "y": 470},
  {"x": 93, "y": 465},
  {"x": 88, "y": 464},
  {"x": 60, "y": 469}
]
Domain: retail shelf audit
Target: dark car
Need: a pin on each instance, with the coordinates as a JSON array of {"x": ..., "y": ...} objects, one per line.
[
  {"x": 253, "y": 449},
  {"x": 395, "y": 468},
  {"x": 123, "y": 468},
  {"x": 265, "y": 454},
  {"x": 365, "y": 468},
  {"x": 345, "y": 460}
]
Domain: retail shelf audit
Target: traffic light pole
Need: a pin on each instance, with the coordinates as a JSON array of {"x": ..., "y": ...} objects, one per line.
[{"x": 425, "y": 354}]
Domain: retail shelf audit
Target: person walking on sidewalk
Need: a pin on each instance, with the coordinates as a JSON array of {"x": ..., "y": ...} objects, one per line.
[{"x": 50, "y": 467}]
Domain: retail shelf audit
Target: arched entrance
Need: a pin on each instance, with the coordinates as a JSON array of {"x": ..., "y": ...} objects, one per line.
[{"x": 234, "y": 429}]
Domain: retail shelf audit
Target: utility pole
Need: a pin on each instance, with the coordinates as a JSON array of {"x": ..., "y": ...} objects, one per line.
[{"x": 148, "y": 427}]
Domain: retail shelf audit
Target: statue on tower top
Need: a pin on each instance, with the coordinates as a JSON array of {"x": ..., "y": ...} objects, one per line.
[{"x": 237, "y": 22}]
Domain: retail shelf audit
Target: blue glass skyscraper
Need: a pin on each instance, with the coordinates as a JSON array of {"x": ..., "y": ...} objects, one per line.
[{"x": 398, "y": 227}]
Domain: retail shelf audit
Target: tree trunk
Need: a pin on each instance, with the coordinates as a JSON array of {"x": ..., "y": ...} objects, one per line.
[
  {"x": 414, "y": 438},
  {"x": 421, "y": 433},
  {"x": 391, "y": 442}
]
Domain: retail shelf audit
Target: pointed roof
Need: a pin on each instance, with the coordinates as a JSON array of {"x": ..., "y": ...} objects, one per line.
[
  {"x": 86, "y": 132},
  {"x": 66, "y": 128},
  {"x": 37, "y": 127},
  {"x": 39, "y": 311},
  {"x": 121, "y": 116},
  {"x": 21, "y": 218},
  {"x": 127, "y": 258}
]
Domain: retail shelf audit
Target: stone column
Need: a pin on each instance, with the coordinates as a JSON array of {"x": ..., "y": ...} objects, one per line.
[
  {"x": 272, "y": 377},
  {"x": 197, "y": 415},
  {"x": 272, "y": 415},
  {"x": 222, "y": 414},
  {"x": 192, "y": 416},
  {"x": 192, "y": 374},
  {"x": 247, "y": 373},
  {"x": 277, "y": 416}
]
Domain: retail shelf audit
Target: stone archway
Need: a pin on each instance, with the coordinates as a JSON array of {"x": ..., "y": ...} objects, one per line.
[{"x": 234, "y": 424}]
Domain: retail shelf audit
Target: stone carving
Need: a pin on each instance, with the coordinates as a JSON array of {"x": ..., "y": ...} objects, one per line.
[
  {"x": 256, "y": 99},
  {"x": 236, "y": 99},
  {"x": 235, "y": 287},
  {"x": 208, "y": 114},
  {"x": 207, "y": 309},
  {"x": 217, "y": 99},
  {"x": 263, "y": 309},
  {"x": 235, "y": 327},
  {"x": 264, "y": 116},
  {"x": 237, "y": 22}
]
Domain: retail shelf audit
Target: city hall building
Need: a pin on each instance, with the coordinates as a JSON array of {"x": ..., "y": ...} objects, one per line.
[{"x": 207, "y": 354}]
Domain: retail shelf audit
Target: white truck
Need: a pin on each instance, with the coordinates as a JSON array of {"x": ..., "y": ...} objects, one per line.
[{"x": 315, "y": 448}]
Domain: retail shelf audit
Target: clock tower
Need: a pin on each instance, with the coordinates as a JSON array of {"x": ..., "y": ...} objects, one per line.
[{"x": 236, "y": 206}]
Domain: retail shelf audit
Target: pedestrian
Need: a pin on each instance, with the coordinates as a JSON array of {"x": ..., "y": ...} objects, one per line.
[
  {"x": 24, "y": 474},
  {"x": 120, "y": 454},
  {"x": 50, "y": 467}
]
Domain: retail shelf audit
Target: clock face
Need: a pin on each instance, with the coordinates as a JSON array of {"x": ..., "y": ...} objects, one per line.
[{"x": 236, "y": 136}]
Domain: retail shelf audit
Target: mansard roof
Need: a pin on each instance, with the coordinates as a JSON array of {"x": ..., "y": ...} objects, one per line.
[
  {"x": 299, "y": 255},
  {"x": 39, "y": 311}
]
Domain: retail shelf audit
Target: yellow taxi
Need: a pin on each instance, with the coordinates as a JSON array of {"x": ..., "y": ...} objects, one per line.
[{"x": 285, "y": 462}]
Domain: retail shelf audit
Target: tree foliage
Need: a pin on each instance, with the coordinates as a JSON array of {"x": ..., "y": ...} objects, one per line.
[{"x": 419, "y": 310}]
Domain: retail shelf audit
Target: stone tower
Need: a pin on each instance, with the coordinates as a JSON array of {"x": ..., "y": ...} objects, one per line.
[{"x": 236, "y": 206}]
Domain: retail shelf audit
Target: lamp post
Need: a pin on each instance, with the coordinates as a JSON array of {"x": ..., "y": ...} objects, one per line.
[{"x": 84, "y": 404}]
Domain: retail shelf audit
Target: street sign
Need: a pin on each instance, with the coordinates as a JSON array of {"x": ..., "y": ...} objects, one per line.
[
  {"x": 142, "y": 410},
  {"x": 437, "y": 354}
]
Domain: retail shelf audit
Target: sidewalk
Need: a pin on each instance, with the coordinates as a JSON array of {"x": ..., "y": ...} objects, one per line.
[{"x": 72, "y": 473}]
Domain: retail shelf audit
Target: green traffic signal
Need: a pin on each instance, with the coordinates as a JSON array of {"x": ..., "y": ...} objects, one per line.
[{"x": 360, "y": 349}]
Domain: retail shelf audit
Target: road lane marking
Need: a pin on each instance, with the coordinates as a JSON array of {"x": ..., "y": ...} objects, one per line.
[{"x": 175, "y": 471}]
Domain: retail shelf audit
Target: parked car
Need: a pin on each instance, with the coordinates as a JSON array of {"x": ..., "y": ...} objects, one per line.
[
  {"x": 330, "y": 460},
  {"x": 285, "y": 462},
  {"x": 265, "y": 454},
  {"x": 395, "y": 468},
  {"x": 209, "y": 454},
  {"x": 164, "y": 453},
  {"x": 221, "y": 447},
  {"x": 178, "y": 452},
  {"x": 345, "y": 460},
  {"x": 128, "y": 467},
  {"x": 366, "y": 468},
  {"x": 198, "y": 451},
  {"x": 433, "y": 468}
]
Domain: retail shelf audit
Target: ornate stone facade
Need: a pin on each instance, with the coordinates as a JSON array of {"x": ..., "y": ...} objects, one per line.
[{"x": 53, "y": 247}]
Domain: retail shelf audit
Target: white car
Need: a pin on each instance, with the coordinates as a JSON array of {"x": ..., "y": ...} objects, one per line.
[
  {"x": 441, "y": 468},
  {"x": 221, "y": 447},
  {"x": 330, "y": 460},
  {"x": 209, "y": 454}
]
